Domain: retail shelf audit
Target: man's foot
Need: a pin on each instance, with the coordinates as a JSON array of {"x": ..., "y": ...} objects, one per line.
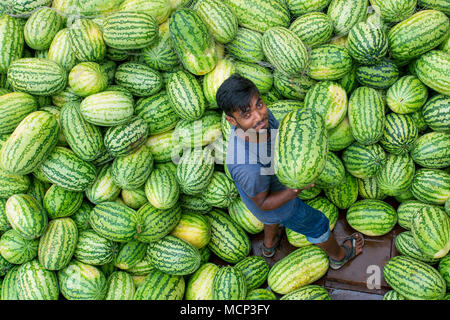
[
  {"x": 353, "y": 246},
  {"x": 269, "y": 247}
]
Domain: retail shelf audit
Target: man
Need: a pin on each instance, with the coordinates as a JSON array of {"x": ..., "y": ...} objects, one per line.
[{"x": 249, "y": 161}]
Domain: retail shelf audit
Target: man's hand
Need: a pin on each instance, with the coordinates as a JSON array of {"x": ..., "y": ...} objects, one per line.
[
  {"x": 297, "y": 191},
  {"x": 268, "y": 201}
]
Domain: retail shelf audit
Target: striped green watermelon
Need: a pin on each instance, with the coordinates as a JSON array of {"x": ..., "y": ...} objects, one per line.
[
  {"x": 41, "y": 27},
  {"x": 13, "y": 184},
  {"x": 367, "y": 43},
  {"x": 444, "y": 269},
  {"x": 244, "y": 218},
  {"x": 394, "y": 10},
  {"x": 14, "y": 107},
  {"x": 9, "y": 288},
  {"x": 313, "y": 28},
  {"x": 413, "y": 279},
  {"x": 396, "y": 174},
  {"x": 199, "y": 132},
  {"x": 16, "y": 249},
  {"x": 329, "y": 62},
  {"x": 195, "y": 170},
  {"x": 399, "y": 134},
  {"x": 59, "y": 202},
  {"x": 260, "y": 75},
  {"x": 124, "y": 139},
  {"x": 86, "y": 40},
  {"x": 154, "y": 223},
  {"x": 158, "y": 285},
  {"x": 120, "y": 286},
  {"x": 81, "y": 217},
  {"x": 406, "y": 95},
  {"x": 393, "y": 295},
  {"x": 407, "y": 246},
  {"x": 372, "y": 217},
  {"x": 200, "y": 284},
  {"x": 406, "y": 210},
  {"x": 34, "y": 282},
  {"x": 340, "y": 137},
  {"x": 292, "y": 87},
  {"x": 162, "y": 189},
  {"x": 344, "y": 14},
  {"x": 164, "y": 146},
  {"x": 67, "y": 95},
  {"x": 194, "y": 204},
  {"x": 441, "y": 5},
  {"x": 79, "y": 281},
  {"x": 345, "y": 194},
  {"x": 229, "y": 284},
  {"x": 282, "y": 107},
  {"x": 381, "y": 75},
  {"x": 363, "y": 161},
  {"x": 58, "y": 243},
  {"x": 284, "y": 50},
  {"x": 94, "y": 249},
  {"x": 310, "y": 193},
  {"x": 174, "y": 256},
  {"x": 37, "y": 189},
  {"x": 186, "y": 96},
  {"x": 430, "y": 227},
  {"x": 431, "y": 186},
  {"x": 260, "y": 294},
  {"x": 436, "y": 113},
  {"x": 191, "y": 39},
  {"x": 87, "y": 78},
  {"x": 255, "y": 270},
  {"x": 369, "y": 189},
  {"x": 194, "y": 229},
  {"x": 418, "y": 34},
  {"x": 134, "y": 199},
  {"x": 214, "y": 79},
  {"x": 220, "y": 192},
  {"x": 142, "y": 268},
  {"x": 104, "y": 188},
  {"x": 260, "y": 15},
  {"x": 309, "y": 292},
  {"x": 11, "y": 41},
  {"x": 432, "y": 63},
  {"x": 60, "y": 50},
  {"x": 129, "y": 254},
  {"x": 246, "y": 46},
  {"x": 310, "y": 150},
  {"x": 299, "y": 268},
  {"x": 432, "y": 150},
  {"x": 301, "y": 7},
  {"x": 366, "y": 115},
  {"x": 139, "y": 79},
  {"x": 333, "y": 173},
  {"x": 228, "y": 240}
]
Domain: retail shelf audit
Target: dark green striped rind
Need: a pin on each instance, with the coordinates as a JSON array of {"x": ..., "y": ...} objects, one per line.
[
  {"x": 163, "y": 146},
  {"x": 431, "y": 186},
  {"x": 406, "y": 210},
  {"x": 396, "y": 174},
  {"x": 436, "y": 113},
  {"x": 393, "y": 295},
  {"x": 192, "y": 42},
  {"x": 301, "y": 7},
  {"x": 79, "y": 281},
  {"x": 292, "y": 87},
  {"x": 129, "y": 254},
  {"x": 399, "y": 134},
  {"x": 4, "y": 223},
  {"x": 255, "y": 270},
  {"x": 430, "y": 227},
  {"x": 120, "y": 286},
  {"x": 368, "y": 189},
  {"x": 260, "y": 294},
  {"x": 418, "y": 34},
  {"x": 300, "y": 268},
  {"x": 313, "y": 28},
  {"x": 9, "y": 287},
  {"x": 406, "y": 95},
  {"x": 86, "y": 39},
  {"x": 193, "y": 228},
  {"x": 104, "y": 188},
  {"x": 220, "y": 191},
  {"x": 285, "y": 50},
  {"x": 60, "y": 50},
  {"x": 246, "y": 46},
  {"x": 140, "y": 80},
  {"x": 243, "y": 217},
  {"x": 34, "y": 282},
  {"x": 366, "y": 115},
  {"x": 123, "y": 139},
  {"x": 65, "y": 169},
  {"x": 309, "y": 292},
  {"x": 158, "y": 285},
  {"x": 59, "y": 202},
  {"x": 367, "y": 43},
  {"x": 326, "y": 207},
  {"x": 30, "y": 143},
  {"x": 229, "y": 284},
  {"x": 26, "y": 216},
  {"x": 407, "y": 246},
  {"x": 162, "y": 189},
  {"x": 157, "y": 112},
  {"x": 260, "y": 75},
  {"x": 94, "y": 249},
  {"x": 186, "y": 96},
  {"x": 200, "y": 284},
  {"x": 260, "y": 15},
  {"x": 329, "y": 62},
  {"x": 13, "y": 184},
  {"x": 14, "y": 107},
  {"x": 414, "y": 279},
  {"x": 282, "y": 107},
  {"x": 301, "y": 148},
  {"x": 381, "y": 75},
  {"x": 214, "y": 79},
  {"x": 129, "y": 30},
  {"x": 394, "y": 10},
  {"x": 363, "y": 161},
  {"x": 26, "y": 7},
  {"x": 432, "y": 150},
  {"x": 441, "y": 5},
  {"x": 344, "y": 14},
  {"x": 444, "y": 269},
  {"x": 154, "y": 223},
  {"x": 228, "y": 240},
  {"x": 11, "y": 41},
  {"x": 87, "y": 78},
  {"x": 174, "y": 256},
  {"x": 114, "y": 221},
  {"x": 431, "y": 64},
  {"x": 195, "y": 171},
  {"x": 333, "y": 173},
  {"x": 194, "y": 203},
  {"x": 41, "y": 27},
  {"x": 372, "y": 217},
  {"x": 58, "y": 243},
  {"x": 65, "y": 96},
  {"x": 340, "y": 137},
  {"x": 16, "y": 249},
  {"x": 345, "y": 194}
]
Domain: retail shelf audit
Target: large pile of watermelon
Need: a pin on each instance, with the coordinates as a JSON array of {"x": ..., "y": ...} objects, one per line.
[{"x": 112, "y": 176}]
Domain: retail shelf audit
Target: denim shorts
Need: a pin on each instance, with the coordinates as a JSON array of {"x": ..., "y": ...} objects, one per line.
[{"x": 310, "y": 222}]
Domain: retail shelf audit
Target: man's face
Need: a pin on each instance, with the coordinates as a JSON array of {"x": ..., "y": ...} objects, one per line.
[{"x": 256, "y": 117}]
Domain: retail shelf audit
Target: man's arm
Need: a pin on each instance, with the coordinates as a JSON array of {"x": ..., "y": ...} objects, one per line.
[{"x": 269, "y": 201}]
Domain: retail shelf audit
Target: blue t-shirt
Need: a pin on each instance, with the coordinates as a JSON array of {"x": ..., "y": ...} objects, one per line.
[{"x": 251, "y": 167}]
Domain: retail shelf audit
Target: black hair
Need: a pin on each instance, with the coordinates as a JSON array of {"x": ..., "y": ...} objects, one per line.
[{"x": 235, "y": 94}]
